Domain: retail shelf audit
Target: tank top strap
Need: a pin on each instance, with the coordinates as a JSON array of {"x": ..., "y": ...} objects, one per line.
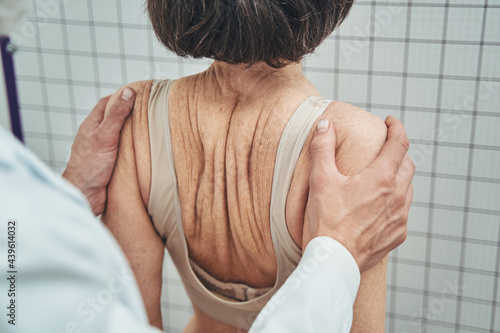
[
  {"x": 161, "y": 206},
  {"x": 293, "y": 138}
]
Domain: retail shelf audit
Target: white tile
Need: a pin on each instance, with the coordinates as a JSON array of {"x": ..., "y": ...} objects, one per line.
[
  {"x": 85, "y": 97},
  {"x": 104, "y": 11},
  {"x": 476, "y": 315},
  {"x": 110, "y": 71},
  {"x": 61, "y": 123},
  {"x": 386, "y": 90},
  {"x": 55, "y": 66},
  {"x": 38, "y": 146},
  {"x": 424, "y": 58},
  {"x": 447, "y": 222},
  {"x": 107, "y": 40},
  {"x": 461, "y": 60},
  {"x": 421, "y": 189},
  {"x": 30, "y": 92},
  {"x": 410, "y": 276},
  {"x": 25, "y": 34},
  {"x": 485, "y": 195},
  {"x": 410, "y": 305},
  {"x": 441, "y": 310},
  {"x": 33, "y": 121},
  {"x": 388, "y": 56},
  {"x": 58, "y": 95},
  {"x": 418, "y": 219},
  {"x": 357, "y": 23},
  {"x": 488, "y": 96},
  {"x": 421, "y": 92},
  {"x": 391, "y": 20},
  {"x": 487, "y": 131},
  {"x": 323, "y": 82},
  {"x": 452, "y": 160},
  {"x": 478, "y": 286},
  {"x": 481, "y": 257},
  {"x": 413, "y": 248},
  {"x": 323, "y": 56},
  {"x": 486, "y": 163},
  {"x": 492, "y": 28},
  {"x": 26, "y": 63},
  {"x": 483, "y": 227},
  {"x": 178, "y": 318},
  {"x": 450, "y": 192},
  {"x": 497, "y": 316},
  {"x": 177, "y": 294},
  {"x": 445, "y": 252},
  {"x": 62, "y": 152},
  {"x": 76, "y": 10},
  {"x": 422, "y": 155},
  {"x": 353, "y": 55},
  {"x": 131, "y": 11},
  {"x": 464, "y": 24},
  {"x": 454, "y": 127},
  {"x": 136, "y": 42},
  {"x": 137, "y": 70},
  {"x": 445, "y": 282},
  {"x": 459, "y": 95},
  {"x": 352, "y": 88},
  {"x": 82, "y": 68},
  {"x": 79, "y": 38},
  {"x": 51, "y": 36},
  {"x": 427, "y": 22}
]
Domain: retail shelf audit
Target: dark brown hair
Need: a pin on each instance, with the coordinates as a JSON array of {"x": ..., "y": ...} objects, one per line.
[{"x": 276, "y": 32}]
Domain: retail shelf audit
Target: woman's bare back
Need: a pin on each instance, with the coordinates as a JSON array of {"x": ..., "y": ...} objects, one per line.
[{"x": 224, "y": 151}]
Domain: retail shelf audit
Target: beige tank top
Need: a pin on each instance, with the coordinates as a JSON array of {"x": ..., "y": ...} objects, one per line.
[{"x": 232, "y": 303}]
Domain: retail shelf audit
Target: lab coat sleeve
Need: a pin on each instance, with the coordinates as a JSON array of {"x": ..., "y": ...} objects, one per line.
[
  {"x": 318, "y": 296},
  {"x": 68, "y": 273}
]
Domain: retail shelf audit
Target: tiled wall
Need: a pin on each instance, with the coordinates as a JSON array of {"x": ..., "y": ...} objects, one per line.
[{"x": 433, "y": 64}]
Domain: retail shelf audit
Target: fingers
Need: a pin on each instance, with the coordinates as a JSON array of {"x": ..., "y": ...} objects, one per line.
[
  {"x": 395, "y": 148},
  {"x": 406, "y": 171},
  {"x": 95, "y": 116},
  {"x": 115, "y": 116},
  {"x": 322, "y": 148}
]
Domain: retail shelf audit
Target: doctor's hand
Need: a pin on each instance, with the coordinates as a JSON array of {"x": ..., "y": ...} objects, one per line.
[
  {"x": 367, "y": 212},
  {"x": 93, "y": 154}
]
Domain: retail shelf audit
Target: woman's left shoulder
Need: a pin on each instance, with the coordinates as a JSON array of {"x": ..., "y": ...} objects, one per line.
[{"x": 360, "y": 135}]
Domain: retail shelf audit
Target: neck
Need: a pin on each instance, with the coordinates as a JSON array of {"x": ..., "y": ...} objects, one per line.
[{"x": 241, "y": 82}]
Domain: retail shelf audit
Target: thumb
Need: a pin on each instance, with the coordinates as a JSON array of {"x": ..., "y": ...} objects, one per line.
[
  {"x": 323, "y": 152},
  {"x": 120, "y": 108}
]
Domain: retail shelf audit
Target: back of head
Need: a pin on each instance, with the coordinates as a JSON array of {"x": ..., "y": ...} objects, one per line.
[{"x": 276, "y": 32}]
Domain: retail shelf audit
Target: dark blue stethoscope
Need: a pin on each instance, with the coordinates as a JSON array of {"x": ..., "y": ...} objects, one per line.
[{"x": 10, "y": 85}]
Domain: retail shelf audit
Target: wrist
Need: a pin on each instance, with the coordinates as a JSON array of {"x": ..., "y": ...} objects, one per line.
[{"x": 346, "y": 242}]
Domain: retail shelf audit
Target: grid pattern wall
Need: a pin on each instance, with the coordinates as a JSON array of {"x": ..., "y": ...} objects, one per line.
[{"x": 433, "y": 64}]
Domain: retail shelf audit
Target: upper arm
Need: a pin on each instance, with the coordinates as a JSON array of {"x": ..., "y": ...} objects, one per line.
[
  {"x": 126, "y": 213},
  {"x": 360, "y": 137}
]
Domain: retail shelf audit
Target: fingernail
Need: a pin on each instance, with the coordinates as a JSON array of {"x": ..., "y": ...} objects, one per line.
[
  {"x": 127, "y": 94},
  {"x": 322, "y": 125}
]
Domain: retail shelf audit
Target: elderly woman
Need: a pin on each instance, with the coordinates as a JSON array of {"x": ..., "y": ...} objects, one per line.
[{"x": 215, "y": 166}]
